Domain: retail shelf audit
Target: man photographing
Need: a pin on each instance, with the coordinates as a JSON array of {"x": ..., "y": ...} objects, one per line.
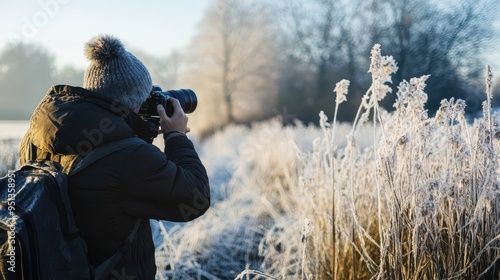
[{"x": 129, "y": 186}]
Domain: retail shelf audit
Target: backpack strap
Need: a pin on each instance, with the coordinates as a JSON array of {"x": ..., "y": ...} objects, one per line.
[
  {"x": 103, "y": 270},
  {"x": 103, "y": 151}
]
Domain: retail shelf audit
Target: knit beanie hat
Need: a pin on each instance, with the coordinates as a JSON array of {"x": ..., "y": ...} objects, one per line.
[{"x": 116, "y": 73}]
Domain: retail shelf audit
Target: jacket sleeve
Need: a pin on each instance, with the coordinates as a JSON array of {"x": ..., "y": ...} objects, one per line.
[{"x": 169, "y": 186}]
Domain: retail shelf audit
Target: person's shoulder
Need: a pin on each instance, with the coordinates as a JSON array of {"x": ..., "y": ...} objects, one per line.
[
  {"x": 145, "y": 152},
  {"x": 140, "y": 160}
]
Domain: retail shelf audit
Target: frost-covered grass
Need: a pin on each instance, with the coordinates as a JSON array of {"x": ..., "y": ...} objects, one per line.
[
  {"x": 270, "y": 221},
  {"x": 420, "y": 200},
  {"x": 398, "y": 195}
]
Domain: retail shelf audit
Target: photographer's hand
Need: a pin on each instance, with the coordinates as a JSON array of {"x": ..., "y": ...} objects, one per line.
[{"x": 177, "y": 122}]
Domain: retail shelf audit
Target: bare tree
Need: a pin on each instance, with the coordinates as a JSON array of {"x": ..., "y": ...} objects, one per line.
[
  {"x": 320, "y": 34},
  {"x": 444, "y": 41},
  {"x": 320, "y": 39},
  {"x": 232, "y": 62},
  {"x": 331, "y": 40}
]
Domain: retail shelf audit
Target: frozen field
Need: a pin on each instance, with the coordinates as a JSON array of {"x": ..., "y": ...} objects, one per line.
[{"x": 394, "y": 195}]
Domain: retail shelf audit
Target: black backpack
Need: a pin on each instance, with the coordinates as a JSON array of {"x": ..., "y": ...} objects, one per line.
[{"x": 38, "y": 235}]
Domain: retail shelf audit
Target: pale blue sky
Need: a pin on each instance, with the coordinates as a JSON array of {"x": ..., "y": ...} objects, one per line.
[
  {"x": 155, "y": 26},
  {"x": 63, "y": 26}
]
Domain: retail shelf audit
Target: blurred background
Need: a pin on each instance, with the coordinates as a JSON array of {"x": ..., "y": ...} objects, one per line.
[{"x": 250, "y": 60}]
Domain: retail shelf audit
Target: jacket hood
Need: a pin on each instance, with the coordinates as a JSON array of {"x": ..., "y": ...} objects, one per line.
[{"x": 72, "y": 120}]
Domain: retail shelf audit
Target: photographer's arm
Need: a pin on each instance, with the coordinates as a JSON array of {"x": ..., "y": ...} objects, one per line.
[{"x": 178, "y": 189}]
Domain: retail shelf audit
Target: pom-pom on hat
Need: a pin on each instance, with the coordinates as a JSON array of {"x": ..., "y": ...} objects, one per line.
[{"x": 116, "y": 73}]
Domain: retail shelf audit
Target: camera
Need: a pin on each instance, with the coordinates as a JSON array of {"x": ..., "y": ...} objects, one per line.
[
  {"x": 187, "y": 98},
  {"x": 148, "y": 112}
]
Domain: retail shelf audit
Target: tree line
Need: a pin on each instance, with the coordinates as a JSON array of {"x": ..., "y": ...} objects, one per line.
[{"x": 251, "y": 59}]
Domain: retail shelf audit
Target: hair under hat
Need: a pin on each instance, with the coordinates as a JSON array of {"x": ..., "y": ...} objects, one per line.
[{"x": 116, "y": 73}]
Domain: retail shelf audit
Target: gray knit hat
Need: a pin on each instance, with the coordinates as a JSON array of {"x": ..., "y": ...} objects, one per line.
[{"x": 116, "y": 73}]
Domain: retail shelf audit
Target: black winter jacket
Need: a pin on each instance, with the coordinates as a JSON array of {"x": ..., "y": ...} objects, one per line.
[{"x": 138, "y": 182}]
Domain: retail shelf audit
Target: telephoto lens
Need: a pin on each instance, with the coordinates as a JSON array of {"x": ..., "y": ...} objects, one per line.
[{"x": 187, "y": 98}]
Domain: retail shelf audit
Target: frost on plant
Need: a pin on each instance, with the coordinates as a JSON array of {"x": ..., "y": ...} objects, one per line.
[
  {"x": 323, "y": 120},
  {"x": 381, "y": 68},
  {"x": 411, "y": 95},
  {"x": 341, "y": 88},
  {"x": 423, "y": 199}
]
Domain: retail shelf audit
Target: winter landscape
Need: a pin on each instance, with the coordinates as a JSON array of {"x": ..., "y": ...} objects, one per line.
[
  {"x": 398, "y": 195},
  {"x": 344, "y": 139}
]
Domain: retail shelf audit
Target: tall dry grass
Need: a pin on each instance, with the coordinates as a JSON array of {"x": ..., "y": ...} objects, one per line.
[
  {"x": 398, "y": 195},
  {"x": 273, "y": 220},
  {"x": 422, "y": 201}
]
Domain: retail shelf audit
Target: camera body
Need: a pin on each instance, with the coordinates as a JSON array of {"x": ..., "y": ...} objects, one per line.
[
  {"x": 148, "y": 112},
  {"x": 187, "y": 98}
]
